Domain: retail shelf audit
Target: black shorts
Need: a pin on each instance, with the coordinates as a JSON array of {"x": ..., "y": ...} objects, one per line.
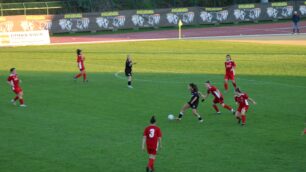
[
  {"x": 193, "y": 105},
  {"x": 128, "y": 73}
]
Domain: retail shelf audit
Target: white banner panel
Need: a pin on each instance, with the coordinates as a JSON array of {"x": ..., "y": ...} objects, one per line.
[{"x": 25, "y": 38}]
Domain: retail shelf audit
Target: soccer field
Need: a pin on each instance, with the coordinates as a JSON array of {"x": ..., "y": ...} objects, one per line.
[{"x": 97, "y": 126}]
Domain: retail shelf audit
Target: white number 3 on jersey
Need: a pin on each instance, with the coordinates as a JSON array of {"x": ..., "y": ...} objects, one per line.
[{"x": 152, "y": 132}]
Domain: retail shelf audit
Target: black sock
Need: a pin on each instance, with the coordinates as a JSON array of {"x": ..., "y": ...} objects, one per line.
[
  {"x": 180, "y": 115},
  {"x": 129, "y": 82},
  {"x": 200, "y": 118}
]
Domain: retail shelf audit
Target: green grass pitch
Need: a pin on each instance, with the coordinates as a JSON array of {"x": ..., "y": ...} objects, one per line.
[{"x": 75, "y": 127}]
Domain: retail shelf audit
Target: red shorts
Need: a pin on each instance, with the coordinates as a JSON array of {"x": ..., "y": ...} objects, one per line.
[
  {"x": 82, "y": 68},
  {"x": 17, "y": 90},
  {"x": 151, "y": 151},
  {"x": 229, "y": 76},
  {"x": 218, "y": 100},
  {"x": 242, "y": 107}
]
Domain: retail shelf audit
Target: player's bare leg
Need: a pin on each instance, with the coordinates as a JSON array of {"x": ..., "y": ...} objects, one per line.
[
  {"x": 184, "y": 108},
  {"x": 150, "y": 166},
  {"x": 130, "y": 82},
  {"x": 228, "y": 108},
  {"x": 14, "y": 100},
  {"x": 226, "y": 84},
  {"x": 234, "y": 83},
  {"x": 195, "y": 113},
  {"x": 243, "y": 117},
  {"x": 238, "y": 117},
  {"x": 21, "y": 101},
  {"x": 216, "y": 108}
]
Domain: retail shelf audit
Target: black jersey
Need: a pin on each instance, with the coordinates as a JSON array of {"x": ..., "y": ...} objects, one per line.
[
  {"x": 128, "y": 68},
  {"x": 194, "y": 101}
]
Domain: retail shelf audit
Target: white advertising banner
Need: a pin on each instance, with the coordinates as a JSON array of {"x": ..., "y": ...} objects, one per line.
[{"x": 24, "y": 38}]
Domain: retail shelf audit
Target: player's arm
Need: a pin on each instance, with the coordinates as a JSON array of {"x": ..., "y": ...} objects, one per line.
[
  {"x": 143, "y": 142},
  {"x": 203, "y": 96},
  {"x": 9, "y": 82},
  {"x": 193, "y": 100},
  {"x": 252, "y": 101},
  {"x": 234, "y": 68},
  {"x": 159, "y": 143}
]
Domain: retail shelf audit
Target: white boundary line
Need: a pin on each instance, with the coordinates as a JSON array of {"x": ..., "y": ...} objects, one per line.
[
  {"x": 170, "y": 82},
  {"x": 165, "y": 39}
]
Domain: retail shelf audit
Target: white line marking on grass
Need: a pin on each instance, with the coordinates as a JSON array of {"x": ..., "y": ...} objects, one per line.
[
  {"x": 173, "y": 82},
  {"x": 147, "y": 80},
  {"x": 273, "y": 83},
  {"x": 166, "y": 39}
]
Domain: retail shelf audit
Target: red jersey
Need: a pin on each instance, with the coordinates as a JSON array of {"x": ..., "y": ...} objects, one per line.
[
  {"x": 14, "y": 80},
  {"x": 152, "y": 133},
  {"x": 215, "y": 92},
  {"x": 229, "y": 67},
  {"x": 242, "y": 99},
  {"x": 80, "y": 61}
]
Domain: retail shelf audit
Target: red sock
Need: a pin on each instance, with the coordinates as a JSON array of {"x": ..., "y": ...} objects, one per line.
[
  {"x": 225, "y": 86},
  {"x": 151, "y": 163},
  {"x": 243, "y": 118},
  {"x": 305, "y": 131},
  {"x": 84, "y": 76},
  {"x": 234, "y": 84},
  {"x": 216, "y": 108},
  {"x": 16, "y": 98},
  {"x": 78, "y": 75},
  {"x": 227, "y": 107},
  {"x": 21, "y": 101}
]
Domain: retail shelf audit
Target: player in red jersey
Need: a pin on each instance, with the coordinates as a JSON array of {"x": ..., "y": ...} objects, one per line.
[
  {"x": 218, "y": 97},
  {"x": 13, "y": 81},
  {"x": 242, "y": 100},
  {"x": 81, "y": 66},
  {"x": 152, "y": 139},
  {"x": 230, "y": 67}
]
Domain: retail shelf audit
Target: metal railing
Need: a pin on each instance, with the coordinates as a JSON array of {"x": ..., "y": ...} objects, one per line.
[
  {"x": 30, "y": 8},
  {"x": 84, "y": 6}
]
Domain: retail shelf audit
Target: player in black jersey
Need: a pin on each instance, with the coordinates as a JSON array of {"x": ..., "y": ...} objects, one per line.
[
  {"x": 128, "y": 70},
  {"x": 193, "y": 103}
]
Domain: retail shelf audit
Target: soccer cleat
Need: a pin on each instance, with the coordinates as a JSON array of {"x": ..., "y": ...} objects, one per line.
[
  {"x": 85, "y": 81},
  {"x": 149, "y": 170},
  {"x": 201, "y": 121},
  {"x": 233, "y": 111},
  {"x": 242, "y": 125},
  {"x": 129, "y": 86},
  {"x": 13, "y": 102},
  {"x": 219, "y": 113},
  {"x": 239, "y": 121},
  {"x": 23, "y": 105}
]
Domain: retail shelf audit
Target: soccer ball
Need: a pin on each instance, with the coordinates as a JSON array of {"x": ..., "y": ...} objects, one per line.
[{"x": 171, "y": 117}]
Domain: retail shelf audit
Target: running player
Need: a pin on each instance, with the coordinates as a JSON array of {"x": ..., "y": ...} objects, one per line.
[
  {"x": 193, "y": 103},
  {"x": 218, "y": 97},
  {"x": 242, "y": 100},
  {"x": 128, "y": 70},
  {"x": 152, "y": 138},
  {"x": 230, "y": 67},
  {"x": 13, "y": 81},
  {"x": 81, "y": 66}
]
